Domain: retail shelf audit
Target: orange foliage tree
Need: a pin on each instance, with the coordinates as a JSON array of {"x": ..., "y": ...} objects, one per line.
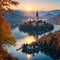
[{"x": 6, "y": 38}]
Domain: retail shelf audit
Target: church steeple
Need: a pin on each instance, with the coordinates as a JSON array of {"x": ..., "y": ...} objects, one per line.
[{"x": 37, "y": 15}]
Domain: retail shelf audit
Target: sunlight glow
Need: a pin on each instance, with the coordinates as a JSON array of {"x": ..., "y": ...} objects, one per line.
[
  {"x": 27, "y": 39},
  {"x": 38, "y": 5},
  {"x": 28, "y": 9},
  {"x": 28, "y": 56}
]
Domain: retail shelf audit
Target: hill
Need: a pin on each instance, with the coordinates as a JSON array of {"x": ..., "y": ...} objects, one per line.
[
  {"x": 16, "y": 18},
  {"x": 55, "y": 19},
  {"x": 55, "y": 12},
  {"x": 44, "y": 14},
  {"x": 47, "y": 16},
  {"x": 52, "y": 40},
  {"x": 48, "y": 44},
  {"x": 19, "y": 16}
]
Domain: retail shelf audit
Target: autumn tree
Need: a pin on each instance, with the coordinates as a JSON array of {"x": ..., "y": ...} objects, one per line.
[{"x": 6, "y": 37}]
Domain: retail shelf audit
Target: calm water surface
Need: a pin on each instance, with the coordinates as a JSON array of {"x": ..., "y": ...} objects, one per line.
[{"x": 25, "y": 38}]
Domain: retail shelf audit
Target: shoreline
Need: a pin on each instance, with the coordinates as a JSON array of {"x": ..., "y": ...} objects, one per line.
[{"x": 47, "y": 44}]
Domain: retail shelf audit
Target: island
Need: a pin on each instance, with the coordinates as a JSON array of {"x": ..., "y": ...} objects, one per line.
[{"x": 36, "y": 26}]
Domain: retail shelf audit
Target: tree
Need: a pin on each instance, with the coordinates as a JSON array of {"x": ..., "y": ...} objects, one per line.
[
  {"x": 6, "y": 37},
  {"x": 53, "y": 42}
]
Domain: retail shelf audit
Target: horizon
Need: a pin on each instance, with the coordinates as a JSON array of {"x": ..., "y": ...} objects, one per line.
[
  {"x": 38, "y": 11},
  {"x": 38, "y": 5}
]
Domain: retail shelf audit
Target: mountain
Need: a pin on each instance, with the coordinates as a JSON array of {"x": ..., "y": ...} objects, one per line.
[
  {"x": 16, "y": 18},
  {"x": 53, "y": 17},
  {"x": 19, "y": 16},
  {"x": 43, "y": 14},
  {"x": 57, "y": 19},
  {"x": 55, "y": 12},
  {"x": 47, "y": 16}
]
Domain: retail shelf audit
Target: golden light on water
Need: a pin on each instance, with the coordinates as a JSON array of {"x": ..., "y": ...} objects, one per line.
[
  {"x": 27, "y": 39},
  {"x": 28, "y": 56}
]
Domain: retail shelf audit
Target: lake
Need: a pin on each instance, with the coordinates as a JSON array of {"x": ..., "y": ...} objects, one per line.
[{"x": 21, "y": 38}]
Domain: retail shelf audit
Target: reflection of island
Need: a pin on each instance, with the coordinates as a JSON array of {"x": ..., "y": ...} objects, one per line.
[
  {"x": 36, "y": 27},
  {"x": 48, "y": 44},
  {"x": 35, "y": 47}
]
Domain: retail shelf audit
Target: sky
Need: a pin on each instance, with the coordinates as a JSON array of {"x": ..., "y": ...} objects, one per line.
[{"x": 38, "y": 5}]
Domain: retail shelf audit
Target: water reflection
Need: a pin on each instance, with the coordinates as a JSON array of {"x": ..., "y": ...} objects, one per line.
[
  {"x": 27, "y": 39},
  {"x": 32, "y": 55},
  {"x": 28, "y": 49},
  {"x": 35, "y": 32},
  {"x": 32, "y": 49},
  {"x": 28, "y": 56},
  {"x": 21, "y": 39}
]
